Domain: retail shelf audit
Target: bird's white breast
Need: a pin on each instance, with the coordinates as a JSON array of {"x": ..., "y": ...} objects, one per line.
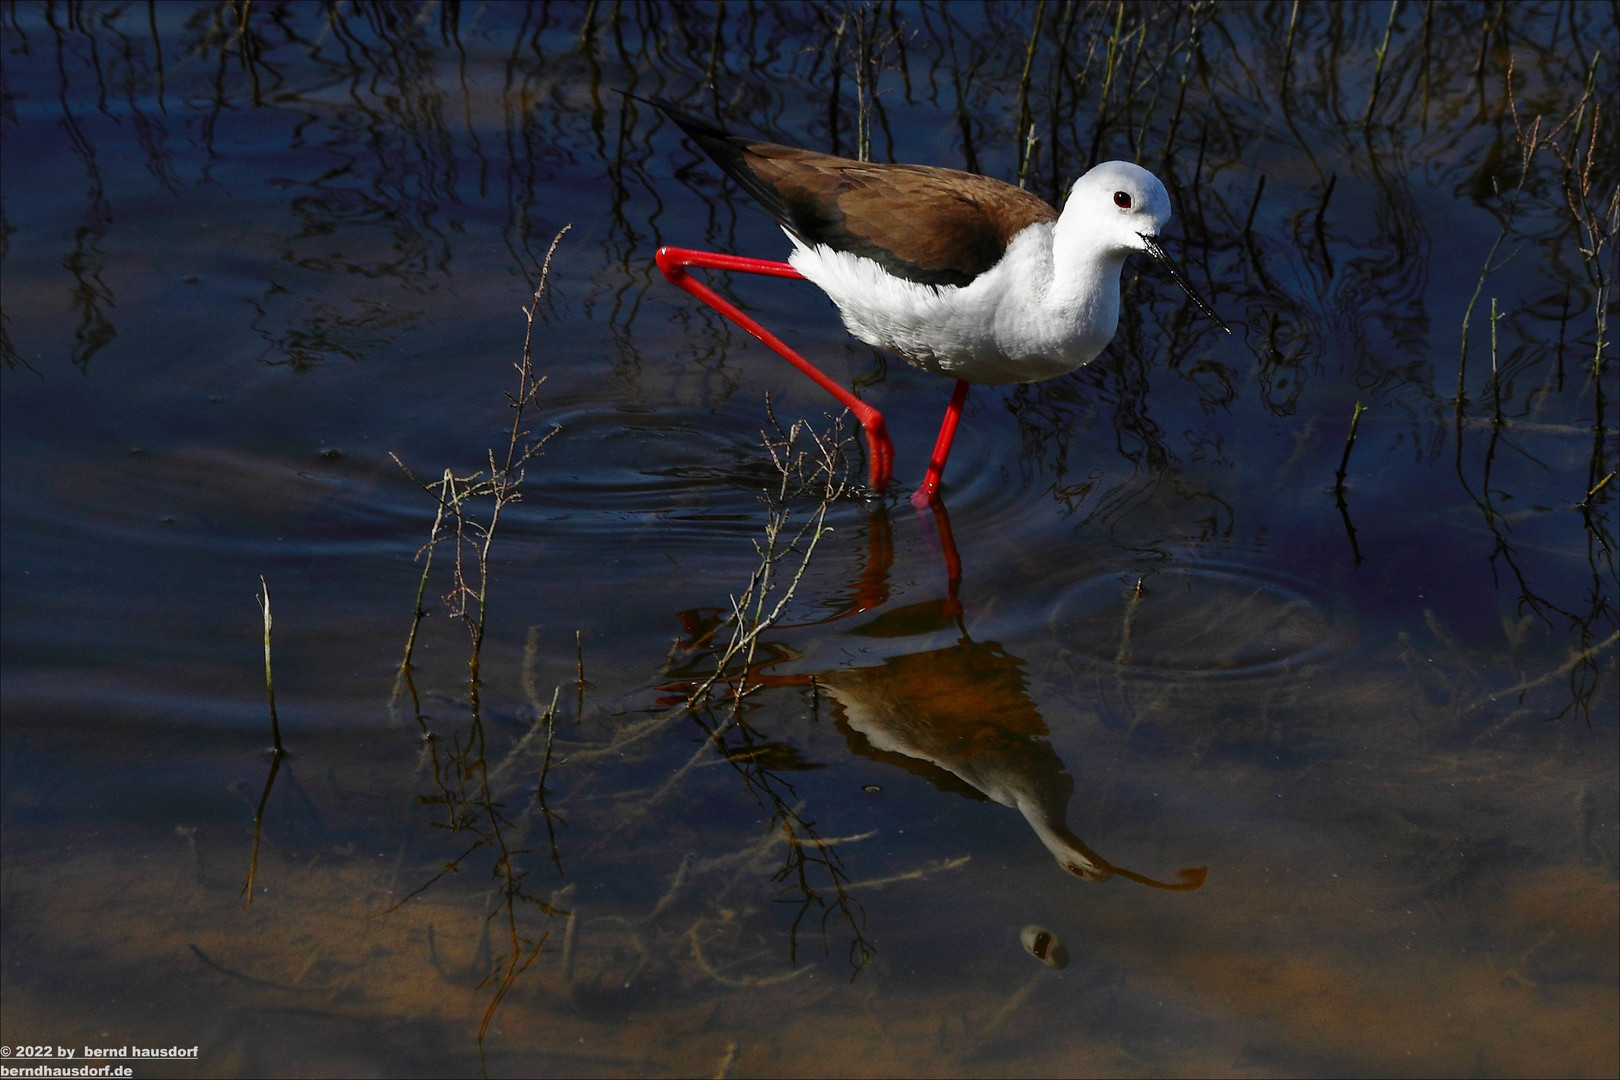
[{"x": 1013, "y": 323}]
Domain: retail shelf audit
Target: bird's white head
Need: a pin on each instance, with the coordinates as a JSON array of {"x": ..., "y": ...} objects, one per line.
[
  {"x": 1117, "y": 204},
  {"x": 1118, "y": 208}
]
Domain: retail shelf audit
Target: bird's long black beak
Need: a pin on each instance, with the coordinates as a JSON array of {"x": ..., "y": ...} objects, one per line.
[{"x": 1151, "y": 246}]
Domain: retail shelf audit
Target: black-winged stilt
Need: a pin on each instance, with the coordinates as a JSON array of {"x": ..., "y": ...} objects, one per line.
[{"x": 958, "y": 274}]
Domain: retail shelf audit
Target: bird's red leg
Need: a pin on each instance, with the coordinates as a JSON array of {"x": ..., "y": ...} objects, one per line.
[
  {"x": 674, "y": 261},
  {"x": 929, "y": 490}
]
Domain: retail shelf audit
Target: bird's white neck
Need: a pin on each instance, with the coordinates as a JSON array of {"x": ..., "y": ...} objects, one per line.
[
  {"x": 1066, "y": 847},
  {"x": 1084, "y": 289}
]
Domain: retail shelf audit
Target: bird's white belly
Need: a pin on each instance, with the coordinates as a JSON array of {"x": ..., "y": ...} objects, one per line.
[{"x": 991, "y": 331}]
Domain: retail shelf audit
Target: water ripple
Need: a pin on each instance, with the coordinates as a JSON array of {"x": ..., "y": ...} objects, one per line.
[{"x": 1199, "y": 620}]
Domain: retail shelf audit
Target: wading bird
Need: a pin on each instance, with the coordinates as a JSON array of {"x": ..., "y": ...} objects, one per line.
[{"x": 958, "y": 274}]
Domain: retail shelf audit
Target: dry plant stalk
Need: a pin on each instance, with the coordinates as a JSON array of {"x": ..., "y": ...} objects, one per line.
[
  {"x": 1528, "y": 143},
  {"x": 855, "y": 36},
  {"x": 468, "y": 788},
  {"x": 276, "y": 754},
  {"x": 269, "y": 679},
  {"x": 1594, "y": 214},
  {"x": 814, "y": 465},
  {"x": 501, "y": 483},
  {"x": 820, "y": 471}
]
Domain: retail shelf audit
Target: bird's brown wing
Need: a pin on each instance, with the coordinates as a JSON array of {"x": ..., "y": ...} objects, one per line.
[{"x": 932, "y": 226}]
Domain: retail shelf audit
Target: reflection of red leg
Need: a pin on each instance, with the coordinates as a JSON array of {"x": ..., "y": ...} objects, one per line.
[
  {"x": 929, "y": 490},
  {"x": 873, "y": 588},
  {"x": 674, "y": 261},
  {"x": 953, "y": 561}
]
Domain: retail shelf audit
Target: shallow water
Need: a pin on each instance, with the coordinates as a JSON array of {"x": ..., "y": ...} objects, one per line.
[{"x": 1303, "y": 780}]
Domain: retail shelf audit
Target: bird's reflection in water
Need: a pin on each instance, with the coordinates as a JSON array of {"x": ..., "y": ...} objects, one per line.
[{"x": 960, "y": 716}]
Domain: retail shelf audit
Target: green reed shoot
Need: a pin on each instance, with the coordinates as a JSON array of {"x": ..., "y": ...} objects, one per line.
[
  {"x": 1378, "y": 68},
  {"x": 1025, "y": 128},
  {"x": 1349, "y": 444}
]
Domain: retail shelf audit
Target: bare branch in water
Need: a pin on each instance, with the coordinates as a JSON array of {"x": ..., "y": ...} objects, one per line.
[{"x": 466, "y": 788}]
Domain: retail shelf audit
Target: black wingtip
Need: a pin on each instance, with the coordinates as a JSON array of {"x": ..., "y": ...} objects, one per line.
[
  {"x": 693, "y": 125},
  {"x": 728, "y": 151}
]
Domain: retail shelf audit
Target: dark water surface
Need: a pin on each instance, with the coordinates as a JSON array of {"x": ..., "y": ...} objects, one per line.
[{"x": 1295, "y": 780}]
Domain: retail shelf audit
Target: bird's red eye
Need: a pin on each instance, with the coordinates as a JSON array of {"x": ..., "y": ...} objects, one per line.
[{"x": 1122, "y": 200}]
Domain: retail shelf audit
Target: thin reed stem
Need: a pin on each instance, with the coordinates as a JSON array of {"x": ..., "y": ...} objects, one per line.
[
  {"x": 1349, "y": 444},
  {"x": 1026, "y": 125},
  {"x": 269, "y": 677},
  {"x": 1496, "y": 377},
  {"x": 1288, "y": 46},
  {"x": 1378, "y": 68}
]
